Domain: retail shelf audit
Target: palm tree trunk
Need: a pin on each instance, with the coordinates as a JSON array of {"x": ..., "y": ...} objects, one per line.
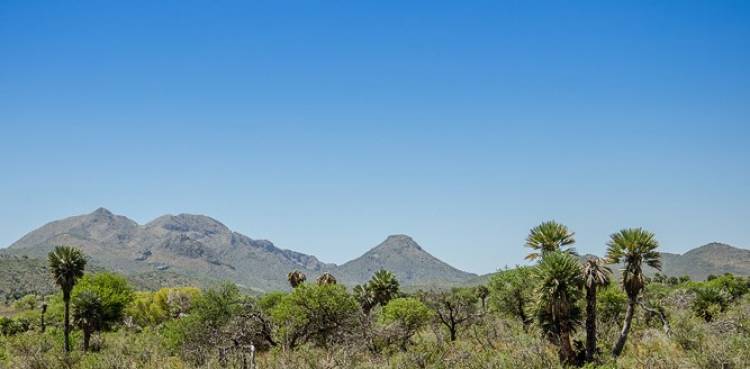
[
  {"x": 567, "y": 355},
  {"x": 590, "y": 323},
  {"x": 617, "y": 350},
  {"x": 66, "y": 320},
  {"x": 86, "y": 339}
]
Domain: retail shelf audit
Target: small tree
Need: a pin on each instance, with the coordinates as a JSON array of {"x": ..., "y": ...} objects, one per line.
[
  {"x": 453, "y": 309},
  {"x": 322, "y": 314},
  {"x": 407, "y": 316},
  {"x": 66, "y": 265},
  {"x": 710, "y": 301},
  {"x": 99, "y": 302},
  {"x": 203, "y": 330},
  {"x": 511, "y": 293}
]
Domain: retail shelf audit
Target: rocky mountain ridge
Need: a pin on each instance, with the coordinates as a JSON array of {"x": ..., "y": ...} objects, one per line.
[{"x": 203, "y": 248}]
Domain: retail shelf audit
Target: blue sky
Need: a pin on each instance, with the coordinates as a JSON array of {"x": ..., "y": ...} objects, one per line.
[{"x": 326, "y": 126}]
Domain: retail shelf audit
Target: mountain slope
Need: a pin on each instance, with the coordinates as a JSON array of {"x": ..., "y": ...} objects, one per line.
[{"x": 407, "y": 260}]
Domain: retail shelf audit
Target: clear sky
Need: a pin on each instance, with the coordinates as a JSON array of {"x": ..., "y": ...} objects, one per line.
[{"x": 326, "y": 126}]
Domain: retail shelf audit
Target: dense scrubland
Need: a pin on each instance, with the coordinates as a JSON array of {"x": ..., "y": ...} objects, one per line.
[{"x": 558, "y": 311}]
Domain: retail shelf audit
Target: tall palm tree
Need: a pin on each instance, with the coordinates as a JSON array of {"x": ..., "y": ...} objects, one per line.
[
  {"x": 384, "y": 286},
  {"x": 560, "y": 286},
  {"x": 596, "y": 274},
  {"x": 326, "y": 278},
  {"x": 66, "y": 265},
  {"x": 296, "y": 278},
  {"x": 549, "y": 237},
  {"x": 632, "y": 246}
]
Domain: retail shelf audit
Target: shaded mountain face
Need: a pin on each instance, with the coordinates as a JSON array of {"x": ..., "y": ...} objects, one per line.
[
  {"x": 412, "y": 265},
  {"x": 202, "y": 249}
]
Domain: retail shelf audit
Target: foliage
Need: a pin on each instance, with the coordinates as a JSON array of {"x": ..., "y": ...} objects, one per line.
[
  {"x": 406, "y": 315},
  {"x": 559, "y": 288},
  {"x": 99, "y": 302},
  {"x": 217, "y": 323},
  {"x": 153, "y": 308},
  {"x": 610, "y": 304},
  {"x": 549, "y": 237},
  {"x": 113, "y": 292},
  {"x": 89, "y": 314},
  {"x": 379, "y": 290},
  {"x": 511, "y": 293},
  {"x": 28, "y": 302},
  {"x": 633, "y": 247},
  {"x": 322, "y": 314},
  {"x": 710, "y": 301},
  {"x": 454, "y": 309}
]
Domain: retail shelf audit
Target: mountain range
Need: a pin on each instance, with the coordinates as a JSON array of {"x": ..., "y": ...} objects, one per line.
[
  {"x": 203, "y": 249},
  {"x": 199, "y": 250}
]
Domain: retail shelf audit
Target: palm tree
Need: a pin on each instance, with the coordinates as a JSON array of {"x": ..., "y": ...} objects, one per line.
[
  {"x": 632, "y": 246},
  {"x": 326, "y": 278},
  {"x": 379, "y": 290},
  {"x": 296, "y": 278},
  {"x": 482, "y": 293},
  {"x": 596, "y": 274},
  {"x": 363, "y": 294},
  {"x": 549, "y": 237},
  {"x": 560, "y": 287},
  {"x": 384, "y": 287},
  {"x": 67, "y": 265},
  {"x": 88, "y": 314}
]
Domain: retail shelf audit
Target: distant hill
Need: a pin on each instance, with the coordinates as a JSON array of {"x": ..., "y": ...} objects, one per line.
[
  {"x": 401, "y": 255},
  {"x": 197, "y": 249},
  {"x": 713, "y": 258}
]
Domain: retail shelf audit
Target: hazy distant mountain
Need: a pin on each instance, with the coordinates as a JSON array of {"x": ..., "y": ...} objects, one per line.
[
  {"x": 407, "y": 260},
  {"x": 713, "y": 258},
  {"x": 201, "y": 249}
]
